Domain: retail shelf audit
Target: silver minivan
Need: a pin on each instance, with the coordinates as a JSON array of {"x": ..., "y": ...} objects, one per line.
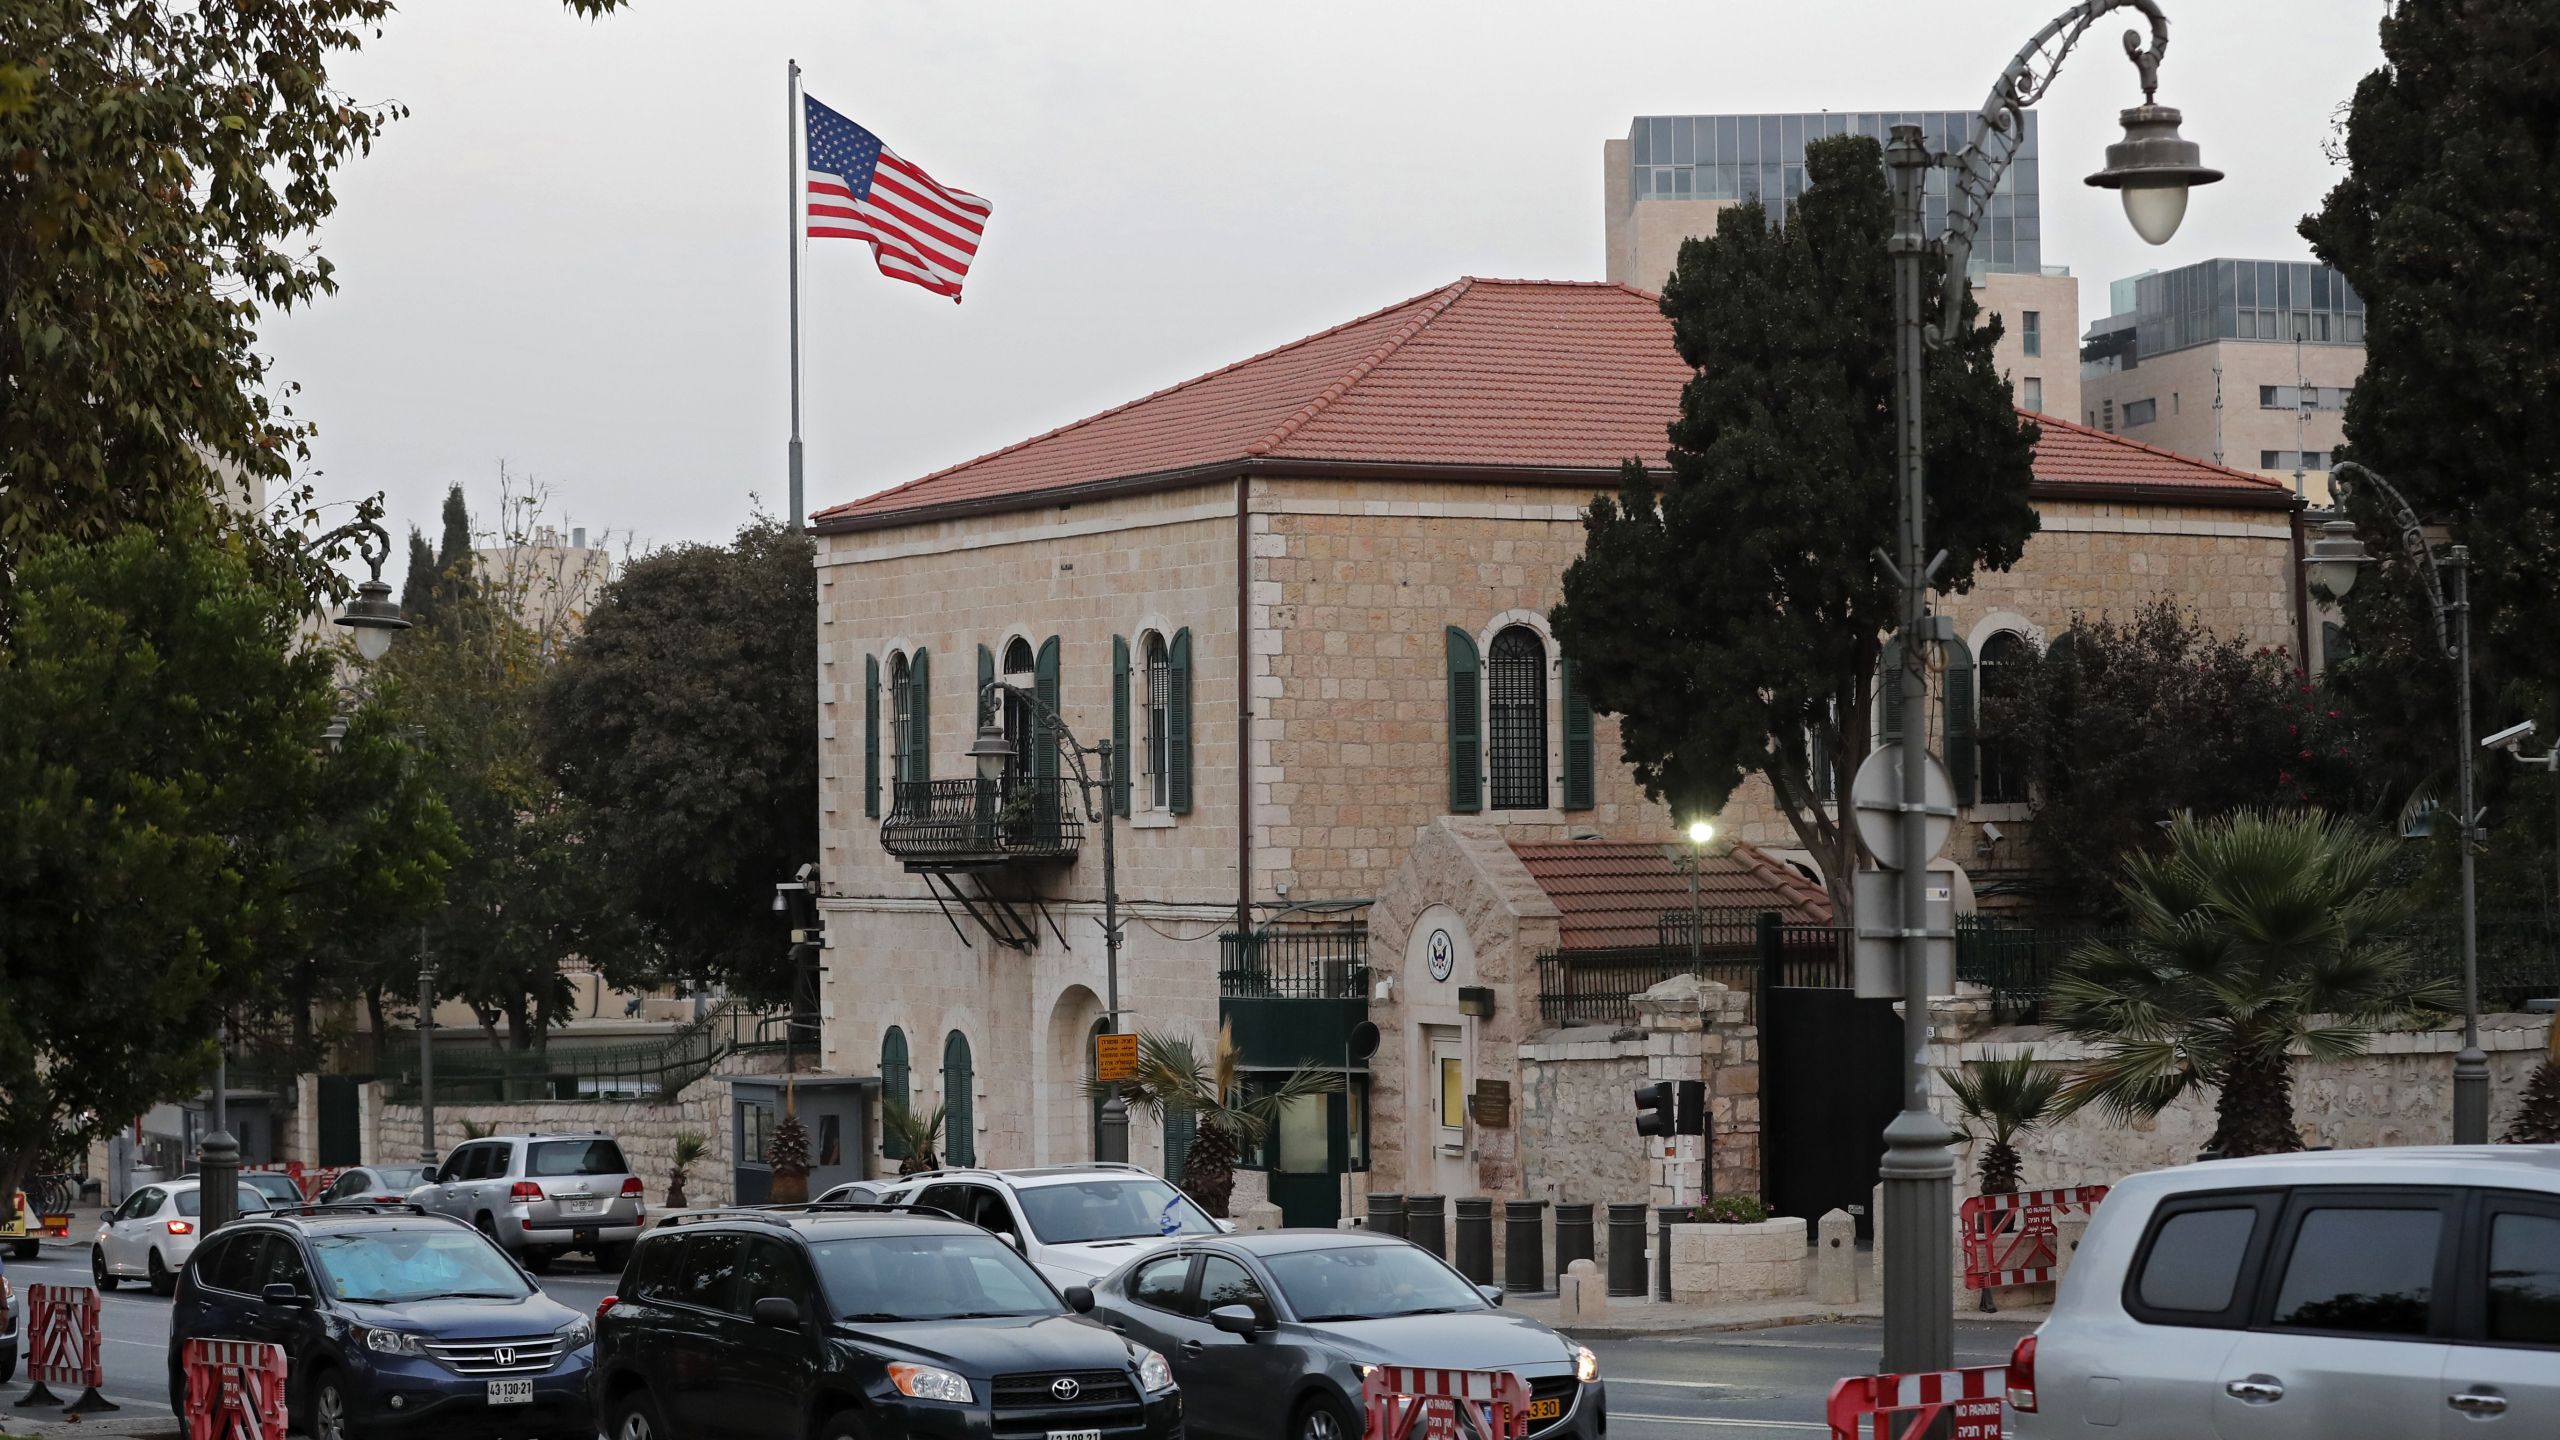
[
  {"x": 2396, "y": 1294},
  {"x": 542, "y": 1195}
]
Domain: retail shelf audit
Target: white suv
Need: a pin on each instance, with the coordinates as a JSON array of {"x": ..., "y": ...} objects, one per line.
[
  {"x": 2340, "y": 1295},
  {"x": 1074, "y": 1223}
]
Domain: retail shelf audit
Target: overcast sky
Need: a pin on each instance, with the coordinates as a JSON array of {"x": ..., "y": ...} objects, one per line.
[{"x": 571, "y": 256}]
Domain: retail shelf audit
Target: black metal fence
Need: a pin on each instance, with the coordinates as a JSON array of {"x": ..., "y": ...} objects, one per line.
[
  {"x": 1327, "y": 962},
  {"x": 643, "y": 1070},
  {"x": 2519, "y": 957},
  {"x": 1011, "y": 817},
  {"x": 1599, "y": 987}
]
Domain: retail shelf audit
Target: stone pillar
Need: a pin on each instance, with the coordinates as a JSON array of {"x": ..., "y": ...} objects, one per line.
[
  {"x": 369, "y": 1147},
  {"x": 1835, "y": 1259},
  {"x": 1581, "y": 1298},
  {"x": 306, "y": 1121}
]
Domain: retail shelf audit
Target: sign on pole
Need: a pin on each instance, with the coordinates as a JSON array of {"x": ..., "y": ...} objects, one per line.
[
  {"x": 1878, "y": 974},
  {"x": 1115, "y": 1057},
  {"x": 1876, "y": 795}
]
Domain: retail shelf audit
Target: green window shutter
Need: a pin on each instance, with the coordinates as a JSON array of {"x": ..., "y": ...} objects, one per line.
[
  {"x": 1120, "y": 753},
  {"x": 920, "y": 716},
  {"x": 871, "y": 736},
  {"x": 959, "y": 1103},
  {"x": 1466, "y": 724},
  {"x": 893, "y": 1090},
  {"x": 978, "y": 697},
  {"x": 1957, "y": 698},
  {"x": 1179, "y": 1127},
  {"x": 1822, "y": 778},
  {"x": 1889, "y": 692},
  {"x": 1580, "y": 778},
  {"x": 1044, "y": 731},
  {"x": 1177, "y": 761}
]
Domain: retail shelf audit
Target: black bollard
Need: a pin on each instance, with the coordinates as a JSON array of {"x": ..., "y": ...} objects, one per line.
[
  {"x": 1386, "y": 1213},
  {"x": 218, "y": 1180},
  {"x": 1475, "y": 1238},
  {"x": 1573, "y": 1236},
  {"x": 1524, "y": 1246},
  {"x": 1666, "y": 1217},
  {"x": 1626, "y": 1250},
  {"x": 1426, "y": 1224}
]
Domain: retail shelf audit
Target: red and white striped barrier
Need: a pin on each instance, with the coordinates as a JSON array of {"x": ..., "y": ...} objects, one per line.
[
  {"x": 235, "y": 1390},
  {"x": 62, "y": 1347},
  {"x": 1868, "y": 1407},
  {"x": 2013, "y": 1240},
  {"x": 1443, "y": 1404}
]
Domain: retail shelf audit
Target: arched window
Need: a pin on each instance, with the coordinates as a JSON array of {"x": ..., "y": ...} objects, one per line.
[
  {"x": 1159, "y": 700},
  {"x": 1017, "y": 715},
  {"x": 1516, "y": 718},
  {"x": 901, "y": 719},
  {"x": 893, "y": 1091},
  {"x": 2003, "y": 760},
  {"x": 959, "y": 1094}
]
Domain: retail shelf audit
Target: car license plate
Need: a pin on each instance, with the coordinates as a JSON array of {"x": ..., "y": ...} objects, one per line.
[
  {"x": 510, "y": 1392},
  {"x": 1075, "y": 1435},
  {"x": 580, "y": 1205},
  {"x": 1549, "y": 1409}
]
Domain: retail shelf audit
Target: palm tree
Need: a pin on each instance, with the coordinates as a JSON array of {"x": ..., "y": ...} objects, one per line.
[
  {"x": 2537, "y": 1121},
  {"x": 690, "y": 1147},
  {"x": 2003, "y": 1100},
  {"x": 2255, "y": 934},
  {"x": 918, "y": 1136},
  {"x": 1172, "y": 1078}
]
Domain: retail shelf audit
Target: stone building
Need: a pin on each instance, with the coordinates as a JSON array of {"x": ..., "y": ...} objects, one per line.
[{"x": 1306, "y": 594}]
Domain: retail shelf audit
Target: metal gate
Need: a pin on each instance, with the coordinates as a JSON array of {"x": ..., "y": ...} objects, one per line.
[
  {"x": 1830, "y": 1081},
  {"x": 341, "y": 1121}
]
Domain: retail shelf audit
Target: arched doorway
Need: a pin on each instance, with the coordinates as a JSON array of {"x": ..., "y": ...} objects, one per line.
[{"x": 1066, "y": 1114}]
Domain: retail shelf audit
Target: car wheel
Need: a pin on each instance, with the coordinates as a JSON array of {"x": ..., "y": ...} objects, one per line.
[
  {"x": 842, "y": 1425},
  {"x": 162, "y": 1282},
  {"x": 9, "y": 1366},
  {"x": 26, "y": 1250},
  {"x": 613, "y": 1257},
  {"x": 98, "y": 1275},
  {"x": 634, "y": 1417},
  {"x": 1321, "y": 1417},
  {"x": 537, "y": 1262},
  {"x": 328, "y": 1418}
]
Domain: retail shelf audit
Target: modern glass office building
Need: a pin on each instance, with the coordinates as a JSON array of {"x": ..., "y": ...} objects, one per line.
[
  {"x": 1761, "y": 157},
  {"x": 2238, "y": 300}
]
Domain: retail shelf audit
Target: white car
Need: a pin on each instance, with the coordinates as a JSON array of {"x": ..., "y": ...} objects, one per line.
[
  {"x": 1074, "y": 1223},
  {"x": 151, "y": 1234},
  {"x": 2339, "y": 1295}
]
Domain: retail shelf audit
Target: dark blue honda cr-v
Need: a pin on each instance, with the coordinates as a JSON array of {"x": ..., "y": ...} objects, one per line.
[{"x": 392, "y": 1322}]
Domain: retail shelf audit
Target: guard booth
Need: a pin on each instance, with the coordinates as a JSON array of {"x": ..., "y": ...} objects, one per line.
[
  {"x": 832, "y": 1110},
  {"x": 1293, "y": 995}
]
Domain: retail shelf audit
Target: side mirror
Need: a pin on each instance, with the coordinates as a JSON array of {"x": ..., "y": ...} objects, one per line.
[
  {"x": 1492, "y": 1294},
  {"x": 779, "y": 1311},
  {"x": 1235, "y": 1319},
  {"x": 1225, "y": 1227},
  {"x": 281, "y": 1293},
  {"x": 1012, "y": 1239},
  {"x": 428, "y": 1178},
  {"x": 1079, "y": 1299}
]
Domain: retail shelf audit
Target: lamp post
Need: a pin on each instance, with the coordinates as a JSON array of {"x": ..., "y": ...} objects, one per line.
[
  {"x": 2153, "y": 167},
  {"x": 992, "y": 750},
  {"x": 1700, "y": 834},
  {"x": 2333, "y": 562},
  {"x": 426, "y": 1050}
]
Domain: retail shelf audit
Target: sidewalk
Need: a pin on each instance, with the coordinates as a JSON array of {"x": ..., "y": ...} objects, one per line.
[
  {"x": 50, "y": 1424},
  {"x": 1637, "y": 1318}
]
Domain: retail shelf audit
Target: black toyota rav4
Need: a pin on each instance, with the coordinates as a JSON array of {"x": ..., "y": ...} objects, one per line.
[{"x": 861, "y": 1322}]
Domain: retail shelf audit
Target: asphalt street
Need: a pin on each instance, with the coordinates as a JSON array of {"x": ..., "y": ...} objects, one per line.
[{"x": 1729, "y": 1385}]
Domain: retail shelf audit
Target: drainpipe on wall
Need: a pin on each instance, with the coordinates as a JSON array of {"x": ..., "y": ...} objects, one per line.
[
  {"x": 2302, "y": 598},
  {"x": 1244, "y": 712}
]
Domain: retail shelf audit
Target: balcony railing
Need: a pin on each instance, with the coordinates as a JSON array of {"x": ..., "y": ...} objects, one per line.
[
  {"x": 983, "y": 821},
  {"x": 1311, "y": 963}
]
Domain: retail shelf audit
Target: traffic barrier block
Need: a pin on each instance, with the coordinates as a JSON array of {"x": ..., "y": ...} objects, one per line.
[
  {"x": 1398, "y": 1400},
  {"x": 62, "y": 1348},
  {"x": 1872, "y": 1407},
  {"x": 2012, "y": 1239},
  {"x": 235, "y": 1390}
]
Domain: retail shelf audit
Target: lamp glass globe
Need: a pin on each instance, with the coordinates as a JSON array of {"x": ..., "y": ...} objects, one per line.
[
  {"x": 2155, "y": 210},
  {"x": 372, "y": 642},
  {"x": 1700, "y": 832}
]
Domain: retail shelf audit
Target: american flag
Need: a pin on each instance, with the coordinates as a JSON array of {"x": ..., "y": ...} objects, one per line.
[{"x": 922, "y": 232}]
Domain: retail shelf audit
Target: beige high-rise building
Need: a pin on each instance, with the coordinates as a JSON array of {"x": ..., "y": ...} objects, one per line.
[
  {"x": 2246, "y": 363},
  {"x": 1674, "y": 176},
  {"x": 552, "y": 580}
]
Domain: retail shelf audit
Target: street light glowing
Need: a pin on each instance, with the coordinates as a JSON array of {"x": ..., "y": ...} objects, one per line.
[{"x": 1700, "y": 832}]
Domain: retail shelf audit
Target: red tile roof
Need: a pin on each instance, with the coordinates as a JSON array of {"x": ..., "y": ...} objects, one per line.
[
  {"x": 1614, "y": 893},
  {"x": 1489, "y": 376}
]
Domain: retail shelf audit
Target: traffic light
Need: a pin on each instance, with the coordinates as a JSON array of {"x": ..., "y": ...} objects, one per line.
[
  {"x": 1693, "y": 1107},
  {"x": 1653, "y": 1108}
]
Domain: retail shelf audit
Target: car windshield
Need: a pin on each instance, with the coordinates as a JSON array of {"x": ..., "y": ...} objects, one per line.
[
  {"x": 574, "y": 1157},
  {"x": 930, "y": 1277},
  {"x": 1370, "y": 1282},
  {"x": 275, "y": 1187},
  {"x": 1109, "y": 1210},
  {"x": 391, "y": 1266},
  {"x": 191, "y": 1202}
]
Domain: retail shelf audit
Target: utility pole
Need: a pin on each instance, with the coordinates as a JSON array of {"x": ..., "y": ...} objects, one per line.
[{"x": 426, "y": 1050}]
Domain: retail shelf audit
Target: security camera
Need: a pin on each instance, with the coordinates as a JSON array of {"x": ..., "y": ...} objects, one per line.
[
  {"x": 2509, "y": 738},
  {"x": 1992, "y": 833}
]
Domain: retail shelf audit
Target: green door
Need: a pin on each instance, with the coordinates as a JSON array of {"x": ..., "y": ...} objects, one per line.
[
  {"x": 1311, "y": 1148},
  {"x": 341, "y": 1124}
]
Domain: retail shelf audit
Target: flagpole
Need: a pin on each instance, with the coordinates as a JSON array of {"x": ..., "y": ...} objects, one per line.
[{"x": 796, "y": 194}]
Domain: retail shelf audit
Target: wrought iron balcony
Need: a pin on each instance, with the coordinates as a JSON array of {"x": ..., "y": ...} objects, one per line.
[
  {"x": 1311, "y": 963},
  {"x": 947, "y": 824}
]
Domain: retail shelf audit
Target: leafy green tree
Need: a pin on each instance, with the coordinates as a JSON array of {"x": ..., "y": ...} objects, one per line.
[
  {"x": 1729, "y": 611},
  {"x": 2120, "y": 724},
  {"x": 681, "y": 719},
  {"x": 2258, "y": 933},
  {"x": 2448, "y": 226},
  {"x": 2003, "y": 1101},
  {"x": 176, "y": 833},
  {"x": 1173, "y": 1078}
]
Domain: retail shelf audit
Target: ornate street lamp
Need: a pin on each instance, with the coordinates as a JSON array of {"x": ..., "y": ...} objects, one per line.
[
  {"x": 2332, "y": 565},
  {"x": 2154, "y": 168},
  {"x": 373, "y": 615}
]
